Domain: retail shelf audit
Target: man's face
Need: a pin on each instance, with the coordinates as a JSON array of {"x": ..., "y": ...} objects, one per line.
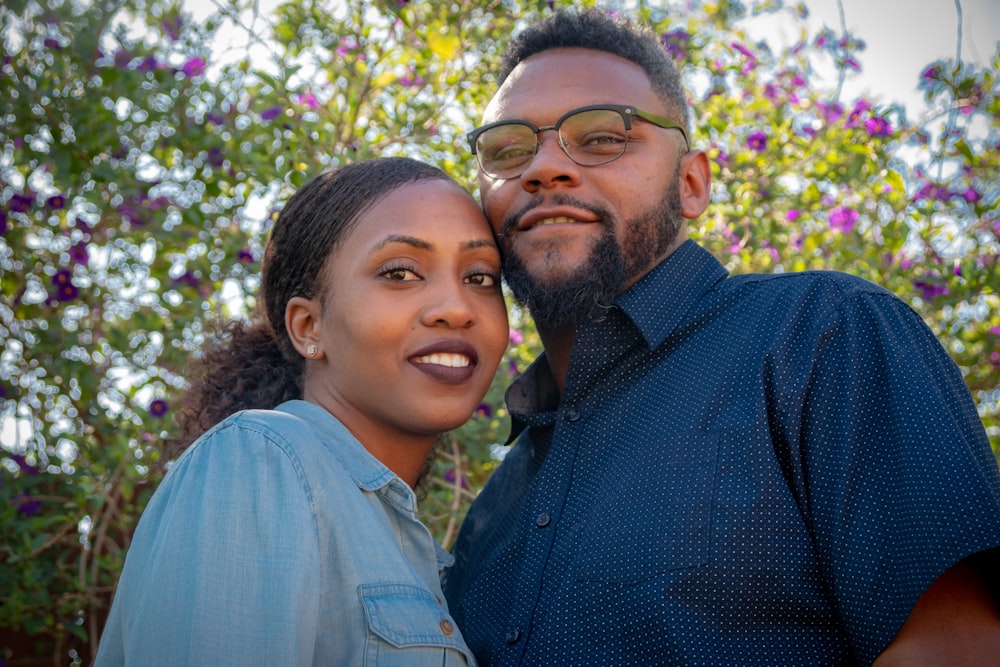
[{"x": 575, "y": 236}]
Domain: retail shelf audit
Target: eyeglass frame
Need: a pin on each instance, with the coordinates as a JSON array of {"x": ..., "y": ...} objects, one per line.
[{"x": 626, "y": 111}]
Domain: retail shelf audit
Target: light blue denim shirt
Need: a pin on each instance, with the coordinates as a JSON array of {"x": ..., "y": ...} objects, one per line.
[{"x": 277, "y": 539}]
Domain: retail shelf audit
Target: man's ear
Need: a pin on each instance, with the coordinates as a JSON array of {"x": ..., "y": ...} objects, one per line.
[
  {"x": 696, "y": 183},
  {"x": 303, "y": 323}
]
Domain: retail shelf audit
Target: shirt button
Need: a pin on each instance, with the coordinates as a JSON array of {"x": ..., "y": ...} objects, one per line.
[
  {"x": 447, "y": 628},
  {"x": 513, "y": 637},
  {"x": 572, "y": 416},
  {"x": 543, "y": 519}
]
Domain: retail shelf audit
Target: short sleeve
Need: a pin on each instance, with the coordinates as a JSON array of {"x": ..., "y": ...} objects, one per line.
[
  {"x": 901, "y": 481},
  {"x": 224, "y": 566}
]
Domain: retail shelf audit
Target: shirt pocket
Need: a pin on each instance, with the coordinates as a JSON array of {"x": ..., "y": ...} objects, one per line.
[
  {"x": 655, "y": 512},
  {"x": 408, "y": 626}
]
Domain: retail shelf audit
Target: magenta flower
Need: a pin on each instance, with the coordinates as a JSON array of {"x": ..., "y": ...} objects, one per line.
[
  {"x": 843, "y": 219},
  {"x": 831, "y": 112},
  {"x": 194, "y": 67},
  {"x": 347, "y": 46},
  {"x": 757, "y": 141},
  {"x": 878, "y": 127},
  {"x": 270, "y": 113},
  {"x": 994, "y": 330},
  {"x": 931, "y": 73},
  {"x": 516, "y": 337},
  {"x": 158, "y": 408},
  {"x": 307, "y": 100},
  {"x": 972, "y": 195},
  {"x": 792, "y": 214}
]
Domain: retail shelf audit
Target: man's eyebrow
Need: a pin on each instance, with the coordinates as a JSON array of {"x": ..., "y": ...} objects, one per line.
[{"x": 424, "y": 245}]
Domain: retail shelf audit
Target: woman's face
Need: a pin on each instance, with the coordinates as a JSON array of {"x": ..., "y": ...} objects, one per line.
[{"x": 414, "y": 323}]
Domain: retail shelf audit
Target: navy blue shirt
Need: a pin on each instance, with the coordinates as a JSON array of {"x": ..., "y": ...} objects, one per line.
[{"x": 756, "y": 469}]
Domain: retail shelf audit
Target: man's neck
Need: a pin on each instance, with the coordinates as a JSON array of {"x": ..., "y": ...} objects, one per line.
[{"x": 558, "y": 344}]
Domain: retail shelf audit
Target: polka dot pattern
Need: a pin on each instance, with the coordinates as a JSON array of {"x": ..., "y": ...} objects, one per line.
[{"x": 745, "y": 470}]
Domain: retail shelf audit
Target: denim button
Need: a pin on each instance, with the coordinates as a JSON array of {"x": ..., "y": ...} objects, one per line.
[
  {"x": 572, "y": 416},
  {"x": 514, "y": 636},
  {"x": 543, "y": 520}
]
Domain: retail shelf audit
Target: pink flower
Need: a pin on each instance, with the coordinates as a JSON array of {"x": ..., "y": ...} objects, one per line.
[
  {"x": 792, "y": 214},
  {"x": 843, "y": 219},
  {"x": 516, "y": 337},
  {"x": 307, "y": 100}
]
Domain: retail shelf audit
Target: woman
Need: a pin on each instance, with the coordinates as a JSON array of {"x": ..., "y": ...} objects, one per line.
[{"x": 287, "y": 534}]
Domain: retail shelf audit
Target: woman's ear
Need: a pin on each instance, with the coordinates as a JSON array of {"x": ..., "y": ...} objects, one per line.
[
  {"x": 696, "y": 183},
  {"x": 303, "y": 322}
]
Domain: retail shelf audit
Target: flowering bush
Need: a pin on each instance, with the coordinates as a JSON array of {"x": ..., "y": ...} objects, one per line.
[{"x": 141, "y": 164}]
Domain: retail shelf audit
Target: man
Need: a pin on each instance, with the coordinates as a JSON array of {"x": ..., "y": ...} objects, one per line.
[{"x": 708, "y": 470}]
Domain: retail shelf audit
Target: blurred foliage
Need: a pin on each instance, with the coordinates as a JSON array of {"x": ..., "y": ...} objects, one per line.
[{"x": 143, "y": 154}]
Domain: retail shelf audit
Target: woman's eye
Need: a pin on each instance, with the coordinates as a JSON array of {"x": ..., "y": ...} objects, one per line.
[
  {"x": 399, "y": 273},
  {"x": 483, "y": 279}
]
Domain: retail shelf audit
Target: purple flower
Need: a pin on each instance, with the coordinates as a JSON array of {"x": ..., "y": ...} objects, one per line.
[
  {"x": 3, "y": 223},
  {"x": 215, "y": 118},
  {"x": 65, "y": 290},
  {"x": 451, "y": 475},
  {"x": 62, "y": 277},
  {"x": 770, "y": 91},
  {"x": 931, "y": 73},
  {"x": 23, "y": 465},
  {"x": 78, "y": 253},
  {"x": 122, "y": 58},
  {"x": 56, "y": 201},
  {"x": 215, "y": 157},
  {"x": 878, "y": 127},
  {"x": 792, "y": 214},
  {"x": 757, "y": 141},
  {"x": 148, "y": 64},
  {"x": 194, "y": 67},
  {"x": 27, "y": 506},
  {"x": 131, "y": 213},
  {"x": 742, "y": 49},
  {"x": 843, "y": 219},
  {"x": 995, "y": 330},
  {"x": 853, "y": 64},
  {"x": 270, "y": 113},
  {"x": 484, "y": 410},
  {"x": 972, "y": 195},
  {"x": 516, "y": 337},
  {"x": 831, "y": 112},
  {"x": 675, "y": 42},
  {"x": 187, "y": 278},
  {"x": 245, "y": 256},
  {"x": 158, "y": 408},
  {"x": 173, "y": 28},
  {"x": 512, "y": 369},
  {"x": 929, "y": 290},
  {"x": 20, "y": 203},
  {"x": 52, "y": 43}
]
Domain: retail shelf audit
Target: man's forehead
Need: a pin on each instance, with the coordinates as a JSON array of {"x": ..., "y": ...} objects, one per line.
[{"x": 552, "y": 82}]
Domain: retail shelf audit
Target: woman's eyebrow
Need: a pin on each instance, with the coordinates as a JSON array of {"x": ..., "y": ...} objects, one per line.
[{"x": 424, "y": 245}]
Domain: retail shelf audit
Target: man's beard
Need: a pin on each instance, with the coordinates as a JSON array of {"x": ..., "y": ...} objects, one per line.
[{"x": 586, "y": 293}]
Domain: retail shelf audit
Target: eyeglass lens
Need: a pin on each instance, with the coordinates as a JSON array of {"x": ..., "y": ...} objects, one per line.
[{"x": 589, "y": 138}]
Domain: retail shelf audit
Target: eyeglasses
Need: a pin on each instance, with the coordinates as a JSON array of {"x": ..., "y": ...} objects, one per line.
[{"x": 589, "y": 136}]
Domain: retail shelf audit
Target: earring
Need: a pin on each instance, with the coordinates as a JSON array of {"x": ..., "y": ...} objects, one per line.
[{"x": 312, "y": 351}]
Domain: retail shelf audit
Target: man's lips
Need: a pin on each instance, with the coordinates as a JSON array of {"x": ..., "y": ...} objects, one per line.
[{"x": 541, "y": 217}]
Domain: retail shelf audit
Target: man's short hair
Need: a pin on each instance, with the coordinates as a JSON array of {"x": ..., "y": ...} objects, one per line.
[{"x": 601, "y": 31}]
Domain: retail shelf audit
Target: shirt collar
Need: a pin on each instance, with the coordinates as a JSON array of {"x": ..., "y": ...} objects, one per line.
[
  {"x": 657, "y": 304},
  {"x": 661, "y": 300},
  {"x": 368, "y": 472}
]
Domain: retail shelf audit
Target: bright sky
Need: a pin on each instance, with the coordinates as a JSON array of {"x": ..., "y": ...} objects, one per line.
[{"x": 902, "y": 36}]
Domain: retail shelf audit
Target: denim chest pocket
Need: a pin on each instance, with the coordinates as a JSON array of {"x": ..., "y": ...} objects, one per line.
[
  {"x": 408, "y": 626},
  {"x": 655, "y": 512}
]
